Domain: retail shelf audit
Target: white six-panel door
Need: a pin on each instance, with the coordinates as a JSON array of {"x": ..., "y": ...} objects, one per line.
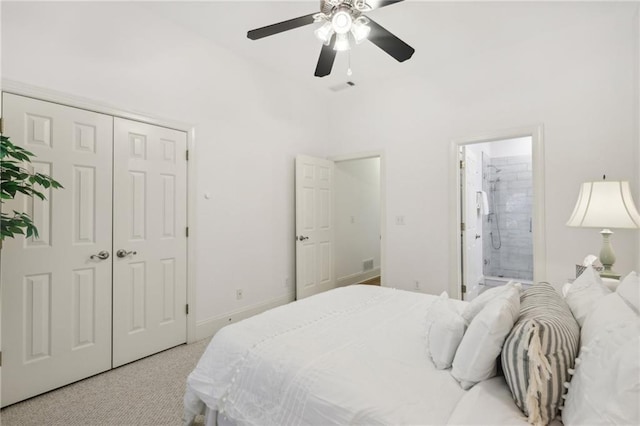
[
  {"x": 56, "y": 298},
  {"x": 65, "y": 314},
  {"x": 149, "y": 224},
  {"x": 314, "y": 226}
]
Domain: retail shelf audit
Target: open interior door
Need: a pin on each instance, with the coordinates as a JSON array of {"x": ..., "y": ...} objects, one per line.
[
  {"x": 472, "y": 219},
  {"x": 314, "y": 226}
]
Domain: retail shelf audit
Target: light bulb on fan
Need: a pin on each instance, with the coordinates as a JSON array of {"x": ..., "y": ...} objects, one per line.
[
  {"x": 342, "y": 21},
  {"x": 325, "y": 32},
  {"x": 342, "y": 43}
]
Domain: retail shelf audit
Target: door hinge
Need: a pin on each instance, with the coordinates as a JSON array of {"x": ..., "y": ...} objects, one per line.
[
  {"x": 462, "y": 226},
  {"x": 462, "y": 164},
  {"x": 187, "y": 155},
  {"x": 187, "y": 308},
  {"x": 1, "y": 126},
  {"x": 464, "y": 288},
  {"x": 186, "y": 232}
]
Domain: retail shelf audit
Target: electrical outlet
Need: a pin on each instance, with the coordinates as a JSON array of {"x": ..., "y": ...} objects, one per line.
[
  {"x": 399, "y": 220},
  {"x": 286, "y": 282},
  {"x": 239, "y": 294},
  {"x": 416, "y": 283}
]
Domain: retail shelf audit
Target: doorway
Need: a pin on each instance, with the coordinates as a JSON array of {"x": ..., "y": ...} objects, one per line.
[
  {"x": 362, "y": 199},
  {"x": 357, "y": 220},
  {"x": 496, "y": 208},
  {"x": 498, "y": 201}
]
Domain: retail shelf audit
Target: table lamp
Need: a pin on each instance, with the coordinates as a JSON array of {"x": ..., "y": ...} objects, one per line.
[{"x": 605, "y": 204}]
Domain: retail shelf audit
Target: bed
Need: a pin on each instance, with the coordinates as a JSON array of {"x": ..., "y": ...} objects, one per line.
[{"x": 353, "y": 355}]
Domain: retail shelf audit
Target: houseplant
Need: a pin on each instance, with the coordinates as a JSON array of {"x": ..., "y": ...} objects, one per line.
[{"x": 16, "y": 177}]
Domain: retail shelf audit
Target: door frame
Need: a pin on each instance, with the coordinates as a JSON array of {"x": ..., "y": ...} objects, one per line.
[
  {"x": 538, "y": 209},
  {"x": 54, "y": 96},
  {"x": 383, "y": 201}
]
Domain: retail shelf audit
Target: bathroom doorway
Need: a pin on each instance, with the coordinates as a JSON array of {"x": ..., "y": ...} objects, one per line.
[{"x": 499, "y": 205}]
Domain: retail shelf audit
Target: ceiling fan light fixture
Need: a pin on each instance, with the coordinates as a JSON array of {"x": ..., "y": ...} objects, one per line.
[
  {"x": 341, "y": 25},
  {"x": 360, "y": 29},
  {"x": 342, "y": 43},
  {"x": 342, "y": 21},
  {"x": 325, "y": 32}
]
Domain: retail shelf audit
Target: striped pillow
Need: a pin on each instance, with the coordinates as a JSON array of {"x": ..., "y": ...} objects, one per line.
[{"x": 539, "y": 351}]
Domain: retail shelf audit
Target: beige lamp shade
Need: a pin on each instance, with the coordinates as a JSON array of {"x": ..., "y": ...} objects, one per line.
[{"x": 605, "y": 204}]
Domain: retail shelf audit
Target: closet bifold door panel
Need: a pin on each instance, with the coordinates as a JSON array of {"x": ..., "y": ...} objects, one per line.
[
  {"x": 150, "y": 242},
  {"x": 56, "y": 297},
  {"x": 105, "y": 282}
]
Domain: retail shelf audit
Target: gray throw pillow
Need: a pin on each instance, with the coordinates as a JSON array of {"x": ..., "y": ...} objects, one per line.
[{"x": 539, "y": 351}]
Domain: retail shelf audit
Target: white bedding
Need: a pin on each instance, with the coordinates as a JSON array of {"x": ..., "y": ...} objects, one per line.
[{"x": 354, "y": 355}]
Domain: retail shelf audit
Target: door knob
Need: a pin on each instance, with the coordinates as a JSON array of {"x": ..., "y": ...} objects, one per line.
[
  {"x": 101, "y": 256},
  {"x": 302, "y": 238},
  {"x": 478, "y": 236},
  {"x": 123, "y": 253}
]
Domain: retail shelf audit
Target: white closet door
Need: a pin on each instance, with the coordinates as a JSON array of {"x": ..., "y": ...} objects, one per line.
[
  {"x": 150, "y": 219},
  {"x": 56, "y": 299}
]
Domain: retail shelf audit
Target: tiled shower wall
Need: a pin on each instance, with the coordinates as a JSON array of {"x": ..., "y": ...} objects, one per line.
[{"x": 508, "y": 252}]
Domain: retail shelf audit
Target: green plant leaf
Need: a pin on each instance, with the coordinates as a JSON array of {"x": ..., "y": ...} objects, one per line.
[{"x": 17, "y": 178}]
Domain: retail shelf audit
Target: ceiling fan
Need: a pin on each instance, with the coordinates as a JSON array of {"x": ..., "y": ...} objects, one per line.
[{"x": 343, "y": 23}]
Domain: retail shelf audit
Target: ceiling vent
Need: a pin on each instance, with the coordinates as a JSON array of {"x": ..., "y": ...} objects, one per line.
[{"x": 342, "y": 86}]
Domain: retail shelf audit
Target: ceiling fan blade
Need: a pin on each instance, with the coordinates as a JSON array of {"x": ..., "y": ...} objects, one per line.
[
  {"x": 326, "y": 59},
  {"x": 280, "y": 27},
  {"x": 391, "y": 44},
  {"x": 377, "y": 4}
]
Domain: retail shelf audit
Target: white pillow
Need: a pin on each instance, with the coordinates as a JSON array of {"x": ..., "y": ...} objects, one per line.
[
  {"x": 432, "y": 310},
  {"x": 584, "y": 292},
  {"x": 477, "y": 304},
  {"x": 476, "y": 357},
  {"x": 629, "y": 290},
  {"x": 445, "y": 334},
  {"x": 605, "y": 388},
  {"x": 611, "y": 310}
]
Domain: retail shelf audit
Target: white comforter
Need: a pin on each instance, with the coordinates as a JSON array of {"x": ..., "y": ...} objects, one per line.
[{"x": 354, "y": 355}]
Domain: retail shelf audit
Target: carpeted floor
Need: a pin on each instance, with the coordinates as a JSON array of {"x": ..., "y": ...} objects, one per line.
[{"x": 145, "y": 392}]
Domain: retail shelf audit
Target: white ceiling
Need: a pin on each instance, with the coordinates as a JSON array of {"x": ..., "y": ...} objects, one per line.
[
  {"x": 450, "y": 38},
  {"x": 294, "y": 54}
]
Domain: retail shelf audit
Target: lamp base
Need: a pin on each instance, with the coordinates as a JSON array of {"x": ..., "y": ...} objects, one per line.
[
  {"x": 607, "y": 256},
  {"x": 610, "y": 274}
]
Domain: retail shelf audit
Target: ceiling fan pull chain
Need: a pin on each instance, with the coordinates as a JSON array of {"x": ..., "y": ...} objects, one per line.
[{"x": 349, "y": 72}]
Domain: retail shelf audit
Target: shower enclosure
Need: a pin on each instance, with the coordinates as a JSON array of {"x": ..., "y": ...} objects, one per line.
[{"x": 507, "y": 237}]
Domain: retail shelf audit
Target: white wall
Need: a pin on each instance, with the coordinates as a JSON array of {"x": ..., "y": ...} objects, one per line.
[
  {"x": 637, "y": 114},
  {"x": 511, "y": 147},
  {"x": 357, "y": 215},
  {"x": 505, "y": 147},
  {"x": 570, "y": 67},
  {"x": 249, "y": 125}
]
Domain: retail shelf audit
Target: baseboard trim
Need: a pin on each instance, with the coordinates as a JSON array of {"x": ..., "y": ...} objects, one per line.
[
  {"x": 356, "y": 278},
  {"x": 208, "y": 327}
]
